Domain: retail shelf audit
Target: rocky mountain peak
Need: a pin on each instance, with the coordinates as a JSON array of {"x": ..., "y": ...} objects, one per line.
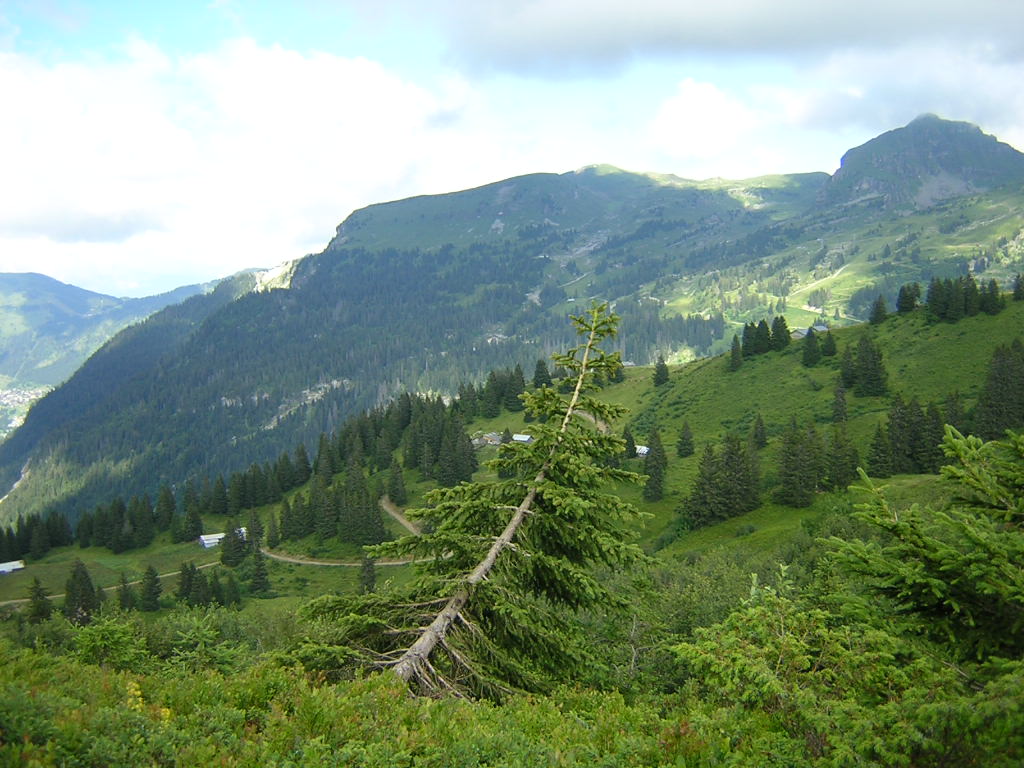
[{"x": 928, "y": 160}]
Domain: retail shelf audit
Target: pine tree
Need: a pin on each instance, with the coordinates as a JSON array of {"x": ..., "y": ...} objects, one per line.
[
  {"x": 232, "y": 595},
  {"x": 907, "y": 298},
  {"x": 839, "y": 412},
  {"x": 259, "y": 581},
  {"x": 273, "y": 532},
  {"x": 828, "y": 345},
  {"x": 126, "y": 598},
  {"x": 880, "y": 454},
  {"x": 301, "y": 465},
  {"x": 1001, "y": 402},
  {"x": 948, "y": 571},
  {"x": 199, "y": 590},
  {"x": 233, "y": 548},
  {"x": 367, "y": 576},
  {"x": 216, "y": 589},
  {"x": 80, "y": 600},
  {"x": 842, "y": 459},
  {"x": 801, "y": 466},
  {"x": 953, "y": 412},
  {"x": 39, "y": 606},
  {"x": 490, "y": 402},
  {"x": 762, "y": 337},
  {"x": 879, "y": 311},
  {"x": 192, "y": 526},
  {"x": 847, "y": 369},
  {"x": 507, "y": 567},
  {"x": 655, "y": 465},
  {"x": 812, "y": 352},
  {"x": 871, "y": 379},
  {"x": 660, "y": 372},
  {"x": 780, "y": 333},
  {"x": 684, "y": 445},
  {"x": 165, "y": 508},
  {"x": 749, "y": 341},
  {"x": 1018, "y": 287},
  {"x": 151, "y": 589},
  {"x": 758, "y": 433},
  {"x": 186, "y": 576},
  {"x": 515, "y": 386},
  {"x": 735, "y": 354},
  {"x": 219, "y": 501},
  {"x": 629, "y": 450},
  {"x": 541, "y": 375},
  {"x": 932, "y": 434},
  {"x": 396, "y": 485}
]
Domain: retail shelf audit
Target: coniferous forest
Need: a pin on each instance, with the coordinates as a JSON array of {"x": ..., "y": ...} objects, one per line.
[{"x": 533, "y": 628}]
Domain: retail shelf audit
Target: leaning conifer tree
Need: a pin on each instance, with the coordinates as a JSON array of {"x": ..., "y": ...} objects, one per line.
[{"x": 505, "y": 564}]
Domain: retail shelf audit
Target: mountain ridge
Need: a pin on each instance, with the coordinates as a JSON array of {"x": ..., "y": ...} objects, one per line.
[{"x": 425, "y": 293}]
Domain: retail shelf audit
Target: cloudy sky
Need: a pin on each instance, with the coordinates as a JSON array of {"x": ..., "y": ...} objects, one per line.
[{"x": 147, "y": 145}]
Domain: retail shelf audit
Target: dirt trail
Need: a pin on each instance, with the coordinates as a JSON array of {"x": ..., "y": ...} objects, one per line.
[
  {"x": 21, "y": 600},
  {"x": 388, "y": 506},
  {"x": 385, "y": 503},
  {"x": 392, "y": 509}
]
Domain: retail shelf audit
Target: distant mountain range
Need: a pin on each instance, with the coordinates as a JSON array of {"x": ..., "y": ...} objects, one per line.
[
  {"x": 424, "y": 293},
  {"x": 49, "y": 328}
]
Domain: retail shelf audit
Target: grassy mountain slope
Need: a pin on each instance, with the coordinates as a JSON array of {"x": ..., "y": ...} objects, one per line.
[
  {"x": 421, "y": 294},
  {"x": 925, "y": 361}
]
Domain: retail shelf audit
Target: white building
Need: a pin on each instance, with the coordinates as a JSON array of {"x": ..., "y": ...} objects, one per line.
[
  {"x": 517, "y": 438},
  {"x": 211, "y": 540},
  {"x": 642, "y": 450},
  {"x": 11, "y": 566}
]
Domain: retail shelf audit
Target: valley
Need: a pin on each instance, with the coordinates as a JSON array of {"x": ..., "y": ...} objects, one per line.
[{"x": 783, "y": 547}]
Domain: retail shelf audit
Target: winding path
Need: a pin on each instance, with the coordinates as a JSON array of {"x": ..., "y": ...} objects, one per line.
[
  {"x": 21, "y": 600},
  {"x": 388, "y": 506},
  {"x": 385, "y": 503}
]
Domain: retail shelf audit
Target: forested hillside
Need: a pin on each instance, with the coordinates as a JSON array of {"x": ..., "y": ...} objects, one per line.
[
  {"x": 423, "y": 294},
  {"x": 48, "y": 329},
  {"x": 870, "y": 633}
]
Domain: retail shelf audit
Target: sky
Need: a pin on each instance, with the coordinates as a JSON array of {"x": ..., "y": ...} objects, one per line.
[{"x": 148, "y": 145}]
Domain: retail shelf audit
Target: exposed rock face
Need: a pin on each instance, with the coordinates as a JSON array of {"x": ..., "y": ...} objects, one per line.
[{"x": 925, "y": 162}]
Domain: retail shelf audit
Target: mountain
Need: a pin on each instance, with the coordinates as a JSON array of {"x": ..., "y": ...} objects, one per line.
[
  {"x": 425, "y": 293},
  {"x": 49, "y": 328},
  {"x": 925, "y": 162}
]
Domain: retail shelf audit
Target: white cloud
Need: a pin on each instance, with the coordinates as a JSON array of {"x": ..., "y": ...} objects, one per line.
[
  {"x": 548, "y": 36},
  {"x": 159, "y": 167}
]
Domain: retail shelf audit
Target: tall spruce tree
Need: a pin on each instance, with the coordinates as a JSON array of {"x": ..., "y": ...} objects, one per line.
[
  {"x": 828, "y": 345},
  {"x": 655, "y": 466},
  {"x": 39, "y": 606},
  {"x": 880, "y": 454},
  {"x": 660, "y": 372},
  {"x": 780, "y": 333},
  {"x": 126, "y": 597},
  {"x": 812, "y": 352},
  {"x": 541, "y": 375},
  {"x": 839, "y": 411},
  {"x": 259, "y": 580},
  {"x": 735, "y": 354},
  {"x": 508, "y": 562},
  {"x": 871, "y": 379},
  {"x": 80, "y": 597},
  {"x": 149, "y": 599},
  {"x": 684, "y": 445},
  {"x": 629, "y": 444},
  {"x": 758, "y": 433},
  {"x": 396, "y": 484}
]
